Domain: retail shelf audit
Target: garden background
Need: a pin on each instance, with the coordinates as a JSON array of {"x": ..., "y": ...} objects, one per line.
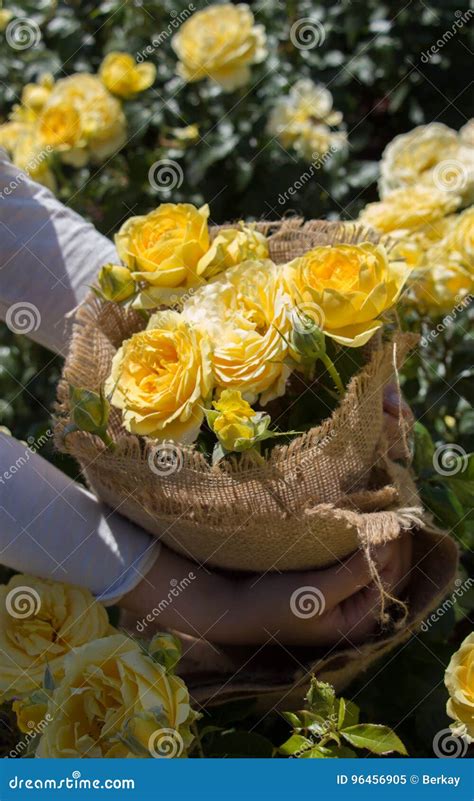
[{"x": 373, "y": 58}]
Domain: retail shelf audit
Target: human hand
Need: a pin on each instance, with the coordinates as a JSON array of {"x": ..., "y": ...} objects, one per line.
[{"x": 249, "y": 610}]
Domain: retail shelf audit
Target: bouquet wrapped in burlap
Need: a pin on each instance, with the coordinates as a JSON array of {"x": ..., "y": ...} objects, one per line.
[{"x": 309, "y": 504}]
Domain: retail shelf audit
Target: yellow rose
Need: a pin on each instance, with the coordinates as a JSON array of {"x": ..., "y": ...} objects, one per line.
[
  {"x": 161, "y": 378},
  {"x": 446, "y": 272},
  {"x": 220, "y": 42},
  {"x": 108, "y": 685},
  {"x": 30, "y": 714},
  {"x": 345, "y": 289},
  {"x": 35, "y": 95},
  {"x": 30, "y": 156},
  {"x": 408, "y": 210},
  {"x": 21, "y": 141},
  {"x": 82, "y": 120},
  {"x": 234, "y": 420},
  {"x": 165, "y": 246},
  {"x": 244, "y": 311},
  {"x": 5, "y": 17},
  {"x": 459, "y": 237},
  {"x": 123, "y": 77},
  {"x": 433, "y": 155},
  {"x": 410, "y": 156},
  {"x": 439, "y": 287},
  {"x": 115, "y": 282},
  {"x": 230, "y": 247},
  {"x": 302, "y": 120},
  {"x": 40, "y": 621},
  {"x": 459, "y": 680}
]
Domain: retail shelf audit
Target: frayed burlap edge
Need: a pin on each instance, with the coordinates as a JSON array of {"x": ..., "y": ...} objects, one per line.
[
  {"x": 225, "y": 514},
  {"x": 278, "y": 677}
]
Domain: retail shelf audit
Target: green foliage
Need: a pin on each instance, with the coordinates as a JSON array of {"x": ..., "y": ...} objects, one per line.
[
  {"x": 371, "y": 58},
  {"x": 327, "y": 724}
]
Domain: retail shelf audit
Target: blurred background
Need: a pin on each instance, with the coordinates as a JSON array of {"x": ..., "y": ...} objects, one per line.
[{"x": 375, "y": 59}]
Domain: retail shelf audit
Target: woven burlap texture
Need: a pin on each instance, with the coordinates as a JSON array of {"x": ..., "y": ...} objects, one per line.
[{"x": 312, "y": 501}]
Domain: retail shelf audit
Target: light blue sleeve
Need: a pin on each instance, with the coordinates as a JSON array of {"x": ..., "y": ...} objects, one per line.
[{"x": 49, "y": 257}]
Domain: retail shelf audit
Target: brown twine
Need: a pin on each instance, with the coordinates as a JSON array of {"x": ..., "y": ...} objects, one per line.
[{"x": 302, "y": 508}]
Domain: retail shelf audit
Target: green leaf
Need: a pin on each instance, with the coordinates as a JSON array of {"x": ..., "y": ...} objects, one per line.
[
  {"x": 348, "y": 713},
  {"x": 321, "y": 698},
  {"x": 317, "y": 752},
  {"x": 374, "y": 737},
  {"x": 292, "y": 719},
  {"x": 424, "y": 449},
  {"x": 294, "y": 745}
]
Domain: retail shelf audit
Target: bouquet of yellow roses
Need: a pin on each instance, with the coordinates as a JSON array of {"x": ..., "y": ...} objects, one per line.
[{"x": 224, "y": 386}]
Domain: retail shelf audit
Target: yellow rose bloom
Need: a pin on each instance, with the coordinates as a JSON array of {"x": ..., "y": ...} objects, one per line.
[
  {"x": 115, "y": 282},
  {"x": 234, "y": 421},
  {"x": 408, "y": 210},
  {"x": 82, "y": 120},
  {"x": 21, "y": 142},
  {"x": 30, "y": 715},
  {"x": 123, "y": 77},
  {"x": 230, "y": 247},
  {"x": 440, "y": 286},
  {"x": 459, "y": 237},
  {"x": 302, "y": 120},
  {"x": 5, "y": 16},
  {"x": 40, "y": 621},
  {"x": 346, "y": 288},
  {"x": 165, "y": 246},
  {"x": 35, "y": 95},
  {"x": 433, "y": 155},
  {"x": 445, "y": 274},
  {"x": 161, "y": 378},
  {"x": 244, "y": 311},
  {"x": 459, "y": 680},
  {"x": 220, "y": 42},
  {"x": 108, "y": 684}
]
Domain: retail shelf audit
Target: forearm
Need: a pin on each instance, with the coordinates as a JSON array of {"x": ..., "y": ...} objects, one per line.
[
  {"x": 49, "y": 257},
  {"x": 53, "y": 528}
]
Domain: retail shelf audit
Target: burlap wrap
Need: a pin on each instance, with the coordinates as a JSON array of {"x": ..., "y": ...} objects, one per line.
[{"x": 310, "y": 504}]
